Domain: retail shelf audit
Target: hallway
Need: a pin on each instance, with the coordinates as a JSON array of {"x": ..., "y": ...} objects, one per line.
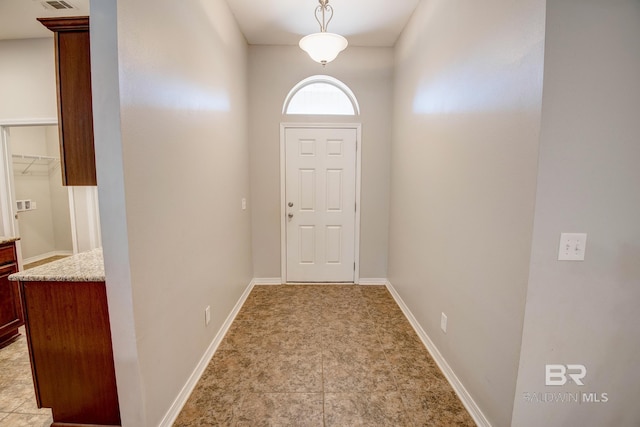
[{"x": 327, "y": 355}]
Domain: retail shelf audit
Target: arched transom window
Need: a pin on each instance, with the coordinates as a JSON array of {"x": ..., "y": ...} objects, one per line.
[{"x": 322, "y": 95}]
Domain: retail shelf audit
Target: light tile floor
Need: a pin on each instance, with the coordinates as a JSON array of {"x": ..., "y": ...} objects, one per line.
[
  {"x": 322, "y": 355},
  {"x": 18, "y": 406},
  {"x": 17, "y": 397},
  {"x": 44, "y": 261}
]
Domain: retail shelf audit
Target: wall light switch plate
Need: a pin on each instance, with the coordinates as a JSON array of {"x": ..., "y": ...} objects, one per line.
[
  {"x": 207, "y": 315},
  {"x": 244, "y": 204},
  {"x": 443, "y": 323},
  {"x": 572, "y": 246}
]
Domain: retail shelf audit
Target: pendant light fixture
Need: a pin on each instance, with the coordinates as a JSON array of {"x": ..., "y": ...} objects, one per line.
[{"x": 323, "y": 47}]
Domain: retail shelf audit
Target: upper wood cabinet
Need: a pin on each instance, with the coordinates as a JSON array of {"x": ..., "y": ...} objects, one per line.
[{"x": 75, "y": 114}]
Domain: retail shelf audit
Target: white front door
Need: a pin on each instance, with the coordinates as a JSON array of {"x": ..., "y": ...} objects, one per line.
[{"x": 320, "y": 204}]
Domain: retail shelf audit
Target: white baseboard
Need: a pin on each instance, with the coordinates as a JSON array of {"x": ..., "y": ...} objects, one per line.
[
  {"x": 374, "y": 282},
  {"x": 183, "y": 396},
  {"x": 45, "y": 256},
  {"x": 460, "y": 390},
  {"x": 267, "y": 281}
]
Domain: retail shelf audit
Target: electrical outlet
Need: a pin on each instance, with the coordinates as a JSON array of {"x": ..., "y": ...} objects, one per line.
[
  {"x": 443, "y": 323},
  {"x": 207, "y": 315}
]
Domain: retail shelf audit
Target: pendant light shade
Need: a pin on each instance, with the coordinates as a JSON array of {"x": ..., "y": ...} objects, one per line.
[{"x": 323, "y": 47}]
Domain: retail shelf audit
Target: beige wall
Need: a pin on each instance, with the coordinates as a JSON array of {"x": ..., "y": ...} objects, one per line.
[
  {"x": 587, "y": 312},
  {"x": 27, "y": 80},
  {"x": 273, "y": 71},
  {"x": 170, "y": 112},
  {"x": 468, "y": 90}
]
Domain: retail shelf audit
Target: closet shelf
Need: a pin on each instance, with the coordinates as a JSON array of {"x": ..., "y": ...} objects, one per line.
[{"x": 32, "y": 159}]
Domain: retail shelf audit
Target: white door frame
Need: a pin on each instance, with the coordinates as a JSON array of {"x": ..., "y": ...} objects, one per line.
[{"x": 283, "y": 212}]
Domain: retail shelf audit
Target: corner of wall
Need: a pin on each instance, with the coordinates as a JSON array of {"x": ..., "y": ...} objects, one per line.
[
  {"x": 455, "y": 382},
  {"x": 182, "y": 397}
]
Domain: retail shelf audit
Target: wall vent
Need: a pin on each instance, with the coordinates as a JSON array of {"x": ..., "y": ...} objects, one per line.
[{"x": 57, "y": 5}]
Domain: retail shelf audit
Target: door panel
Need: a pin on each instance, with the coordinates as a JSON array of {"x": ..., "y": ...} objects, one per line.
[
  {"x": 333, "y": 235},
  {"x": 307, "y": 196},
  {"x": 334, "y": 190},
  {"x": 307, "y": 244},
  {"x": 320, "y": 204}
]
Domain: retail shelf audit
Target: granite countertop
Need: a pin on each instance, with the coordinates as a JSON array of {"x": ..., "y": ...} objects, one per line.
[
  {"x": 83, "y": 267},
  {"x": 4, "y": 239}
]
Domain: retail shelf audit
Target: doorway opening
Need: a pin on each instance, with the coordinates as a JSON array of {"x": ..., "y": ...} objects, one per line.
[
  {"x": 51, "y": 220},
  {"x": 41, "y": 202},
  {"x": 320, "y": 202}
]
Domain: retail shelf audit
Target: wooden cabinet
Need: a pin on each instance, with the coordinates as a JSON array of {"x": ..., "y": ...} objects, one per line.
[
  {"x": 10, "y": 304},
  {"x": 69, "y": 337},
  {"x": 75, "y": 113}
]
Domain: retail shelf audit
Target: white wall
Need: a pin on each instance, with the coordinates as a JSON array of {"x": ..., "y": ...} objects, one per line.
[
  {"x": 59, "y": 195},
  {"x": 170, "y": 115},
  {"x": 27, "y": 85},
  {"x": 86, "y": 216},
  {"x": 27, "y": 80},
  {"x": 468, "y": 91},
  {"x": 36, "y": 226},
  {"x": 587, "y": 312},
  {"x": 273, "y": 71},
  {"x": 47, "y": 229}
]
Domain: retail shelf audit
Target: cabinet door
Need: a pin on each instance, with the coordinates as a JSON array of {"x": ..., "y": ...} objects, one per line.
[
  {"x": 75, "y": 112},
  {"x": 69, "y": 336},
  {"x": 10, "y": 305}
]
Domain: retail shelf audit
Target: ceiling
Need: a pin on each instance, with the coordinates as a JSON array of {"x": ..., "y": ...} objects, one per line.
[
  {"x": 278, "y": 22},
  {"x": 362, "y": 22},
  {"x": 18, "y": 17}
]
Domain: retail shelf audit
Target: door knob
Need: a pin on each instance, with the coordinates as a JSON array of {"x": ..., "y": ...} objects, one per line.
[
  {"x": 290, "y": 215},
  {"x": 290, "y": 204}
]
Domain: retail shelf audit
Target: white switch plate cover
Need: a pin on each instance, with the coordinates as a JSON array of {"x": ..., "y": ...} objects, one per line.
[
  {"x": 244, "y": 204},
  {"x": 207, "y": 315},
  {"x": 572, "y": 246},
  {"x": 443, "y": 322}
]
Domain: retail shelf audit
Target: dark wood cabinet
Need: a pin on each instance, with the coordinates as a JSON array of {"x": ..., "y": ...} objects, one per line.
[
  {"x": 75, "y": 113},
  {"x": 69, "y": 337},
  {"x": 10, "y": 304}
]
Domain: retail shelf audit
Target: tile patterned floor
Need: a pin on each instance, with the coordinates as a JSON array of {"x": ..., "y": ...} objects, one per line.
[
  {"x": 17, "y": 397},
  {"x": 313, "y": 355},
  {"x": 44, "y": 261}
]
